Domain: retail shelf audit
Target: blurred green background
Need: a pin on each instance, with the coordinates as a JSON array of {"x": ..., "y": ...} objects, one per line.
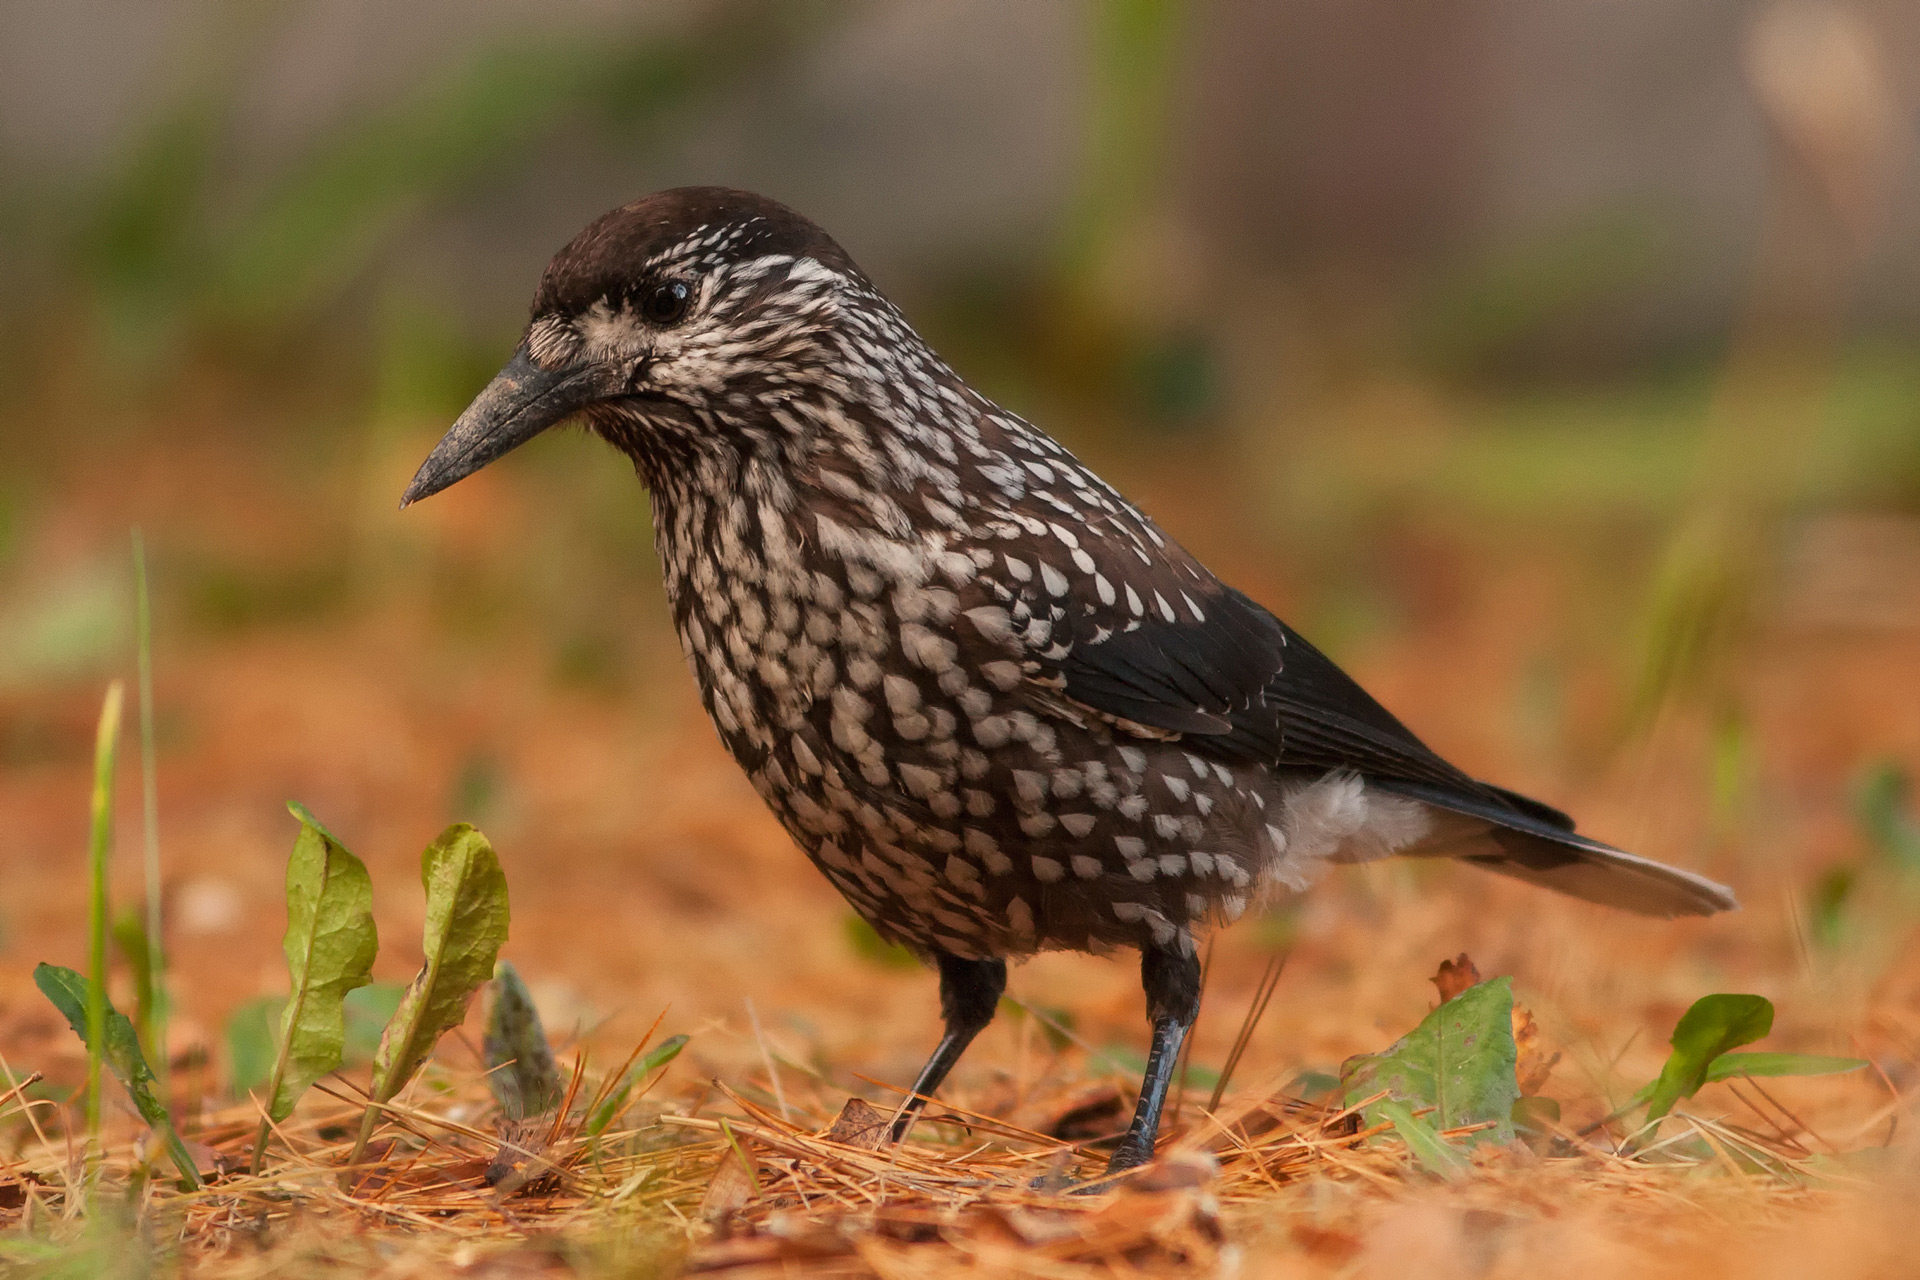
[{"x": 1357, "y": 297}]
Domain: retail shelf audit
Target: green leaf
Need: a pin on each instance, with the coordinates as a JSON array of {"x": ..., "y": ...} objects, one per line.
[
  {"x": 369, "y": 1010},
  {"x": 520, "y": 1067},
  {"x": 330, "y": 945},
  {"x": 1311, "y": 1086},
  {"x": 666, "y": 1051},
  {"x": 1435, "y": 1153},
  {"x": 250, "y": 1043},
  {"x": 1883, "y": 808},
  {"x": 1534, "y": 1119},
  {"x": 70, "y": 993},
  {"x": 130, "y": 940},
  {"x": 1459, "y": 1061},
  {"x": 1712, "y": 1026},
  {"x": 876, "y": 950},
  {"x": 466, "y": 926},
  {"x": 1738, "y": 1066},
  {"x": 1827, "y": 905}
]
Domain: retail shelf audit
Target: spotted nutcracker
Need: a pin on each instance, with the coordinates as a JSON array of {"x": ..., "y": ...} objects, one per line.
[{"x": 995, "y": 704}]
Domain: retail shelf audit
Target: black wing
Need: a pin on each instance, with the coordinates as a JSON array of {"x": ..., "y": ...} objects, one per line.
[{"x": 1102, "y": 610}]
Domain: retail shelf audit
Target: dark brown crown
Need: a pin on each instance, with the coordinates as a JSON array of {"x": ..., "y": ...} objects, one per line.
[{"x": 609, "y": 259}]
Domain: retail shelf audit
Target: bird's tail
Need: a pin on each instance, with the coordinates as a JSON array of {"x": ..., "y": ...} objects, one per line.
[{"x": 1529, "y": 841}]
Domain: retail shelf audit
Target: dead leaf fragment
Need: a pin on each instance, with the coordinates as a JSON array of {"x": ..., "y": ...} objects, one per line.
[
  {"x": 1455, "y": 976},
  {"x": 860, "y": 1124},
  {"x": 1532, "y": 1063},
  {"x": 734, "y": 1184}
]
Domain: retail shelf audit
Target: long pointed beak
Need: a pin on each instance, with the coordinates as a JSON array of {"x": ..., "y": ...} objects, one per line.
[{"x": 522, "y": 401}]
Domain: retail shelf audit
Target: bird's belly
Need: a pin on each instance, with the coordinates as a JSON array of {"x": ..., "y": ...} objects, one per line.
[{"x": 955, "y": 817}]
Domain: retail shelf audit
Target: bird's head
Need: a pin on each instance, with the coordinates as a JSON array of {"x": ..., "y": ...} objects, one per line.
[{"x": 663, "y": 323}]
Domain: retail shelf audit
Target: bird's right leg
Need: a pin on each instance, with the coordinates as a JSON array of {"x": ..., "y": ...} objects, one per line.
[{"x": 969, "y": 993}]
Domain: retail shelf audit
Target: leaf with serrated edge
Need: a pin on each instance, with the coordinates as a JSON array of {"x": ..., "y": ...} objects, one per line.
[
  {"x": 520, "y": 1067},
  {"x": 68, "y": 992},
  {"x": 330, "y": 945},
  {"x": 1459, "y": 1061},
  {"x": 466, "y": 925},
  {"x": 1714, "y": 1024}
]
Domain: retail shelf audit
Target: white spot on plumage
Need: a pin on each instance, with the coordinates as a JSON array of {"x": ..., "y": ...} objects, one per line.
[{"x": 1078, "y": 825}]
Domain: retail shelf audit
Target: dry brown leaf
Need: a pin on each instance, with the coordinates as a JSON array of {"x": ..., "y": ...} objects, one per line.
[
  {"x": 734, "y": 1184},
  {"x": 1455, "y": 976},
  {"x": 860, "y": 1124},
  {"x": 1532, "y": 1063}
]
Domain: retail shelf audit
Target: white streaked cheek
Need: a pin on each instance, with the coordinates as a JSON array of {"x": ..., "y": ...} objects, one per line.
[{"x": 611, "y": 335}]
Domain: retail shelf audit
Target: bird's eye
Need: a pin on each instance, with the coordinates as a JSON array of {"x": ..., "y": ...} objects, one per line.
[{"x": 666, "y": 303}]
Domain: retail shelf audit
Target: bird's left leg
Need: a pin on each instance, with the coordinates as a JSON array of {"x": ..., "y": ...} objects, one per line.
[
  {"x": 1172, "y": 981},
  {"x": 970, "y": 991}
]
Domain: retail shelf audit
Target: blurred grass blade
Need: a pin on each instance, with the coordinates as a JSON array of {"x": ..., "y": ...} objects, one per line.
[
  {"x": 330, "y": 945},
  {"x": 1460, "y": 1061},
  {"x": 130, "y": 940},
  {"x": 152, "y": 1011},
  {"x": 75, "y": 998},
  {"x": 106, "y": 746},
  {"x": 1698, "y": 607},
  {"x": 467, "y": 918},
  {"x": 1884, "y": 811},
  {"x": 1714, "y": 1024},
  {"x": 369, "y": 1010},
  {"x": 250, "y": 1044},
  {"x": 1740, "y": 1066},
  {"x": 1435, "y": 1153},
  {"x": 603, "y": 1115},
  {"x": 520, "y": 1067}
]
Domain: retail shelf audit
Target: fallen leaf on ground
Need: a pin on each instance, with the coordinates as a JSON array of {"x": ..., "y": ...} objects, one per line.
[{"x": 860, "y": 1124}]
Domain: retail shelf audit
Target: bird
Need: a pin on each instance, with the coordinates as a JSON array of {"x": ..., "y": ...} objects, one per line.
[{"x": 996, "y": 704}]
